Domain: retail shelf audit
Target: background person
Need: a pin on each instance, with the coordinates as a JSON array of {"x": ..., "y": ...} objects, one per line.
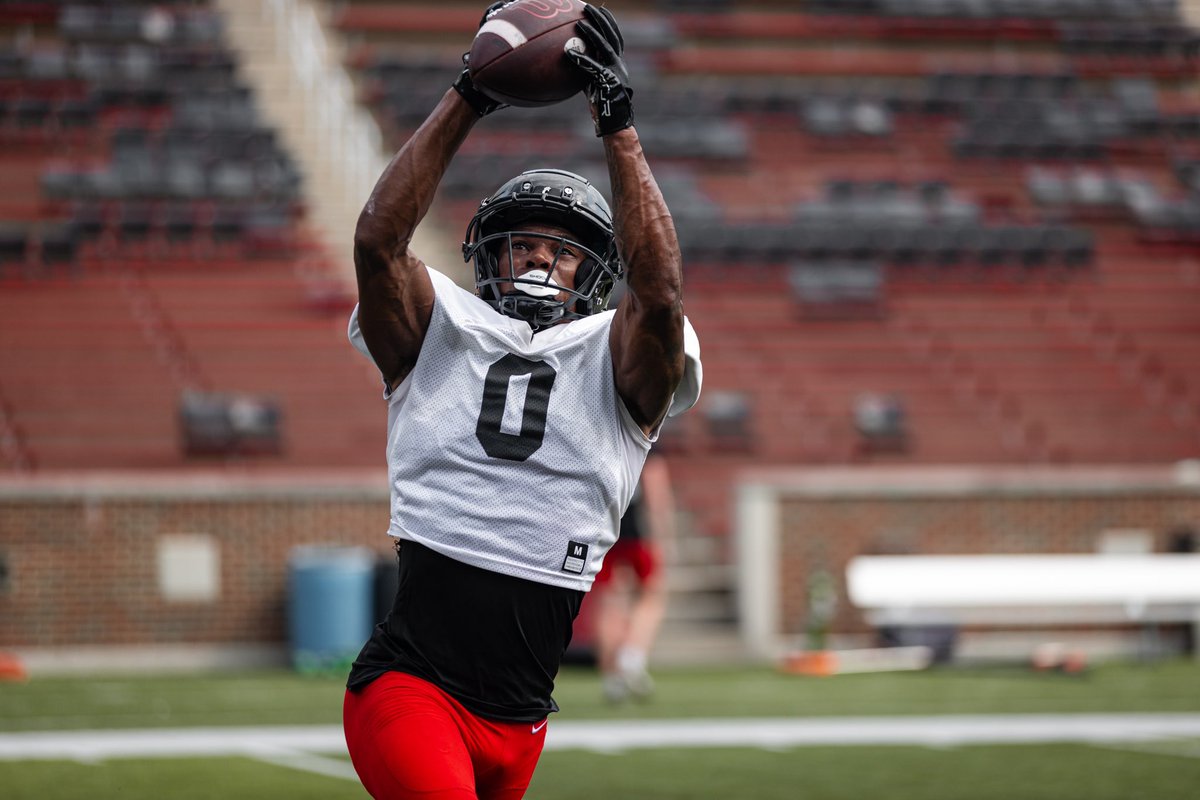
[{"x": 631, "y": 590}]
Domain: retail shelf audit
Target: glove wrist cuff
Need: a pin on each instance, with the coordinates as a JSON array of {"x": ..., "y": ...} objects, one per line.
[
  {"x": 479, "y": 102},
  {"x": 613, "y": 111},
  {"x": 611, "y": 126}
]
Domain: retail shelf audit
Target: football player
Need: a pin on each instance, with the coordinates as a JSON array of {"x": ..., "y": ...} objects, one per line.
[{"x": 519, "y": 418}]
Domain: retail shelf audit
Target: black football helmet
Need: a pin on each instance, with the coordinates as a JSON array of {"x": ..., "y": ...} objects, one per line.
[{"x": 552, "y": 197}]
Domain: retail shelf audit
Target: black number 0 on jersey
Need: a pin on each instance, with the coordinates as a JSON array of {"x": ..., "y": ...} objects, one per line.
[{"x": 514, "y": 446}]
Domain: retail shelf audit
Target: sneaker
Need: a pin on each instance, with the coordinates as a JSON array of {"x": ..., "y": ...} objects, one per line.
[
  {"x": 614, "y": 688},
  {"x": 631, "y": 665},
  {"x": 639, "y": 683}
]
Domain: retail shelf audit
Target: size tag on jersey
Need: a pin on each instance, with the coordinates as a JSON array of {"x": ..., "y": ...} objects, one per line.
[{"x": 576, "y": 560}]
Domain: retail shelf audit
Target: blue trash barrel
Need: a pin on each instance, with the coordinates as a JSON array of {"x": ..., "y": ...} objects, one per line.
[{"x": 330, "y": 608}]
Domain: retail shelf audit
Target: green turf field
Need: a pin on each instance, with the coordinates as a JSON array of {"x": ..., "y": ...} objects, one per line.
[
  {"x": 285, "y": 698},
  {"x": 1060, "y": 772},
  {"x": 1055, "y": 772}
]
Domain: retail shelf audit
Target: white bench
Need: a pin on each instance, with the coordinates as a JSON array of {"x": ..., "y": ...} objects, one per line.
[{"x": 1026, "y": 590}]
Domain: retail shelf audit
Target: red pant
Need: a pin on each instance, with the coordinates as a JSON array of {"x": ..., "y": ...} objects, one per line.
[
  {"x": 409, "y": 739},
  {"x": 637, "y": 554}
]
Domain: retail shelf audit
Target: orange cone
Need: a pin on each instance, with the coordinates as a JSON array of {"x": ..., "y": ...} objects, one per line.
[
  {"x": 812, "y": 662},
  {"x": 11, "y": 668}
]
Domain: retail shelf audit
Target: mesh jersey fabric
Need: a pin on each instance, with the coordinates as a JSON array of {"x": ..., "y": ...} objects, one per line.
[{"x": 513, "y": 452}]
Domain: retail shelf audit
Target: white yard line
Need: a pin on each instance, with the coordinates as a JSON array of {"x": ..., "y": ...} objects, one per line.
[
  {"x": 940, "y": 731},
  {"x": 169, "y": 742},
  {"x": 282, "y": 743},
  {"x": 1181, "y": 748},
  {"x": 308, "y": 762}
]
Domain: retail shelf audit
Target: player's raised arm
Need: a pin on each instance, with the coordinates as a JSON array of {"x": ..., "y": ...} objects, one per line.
[
  {"x": 395, "y": 295},
  {"x": 647, "y": 333}
]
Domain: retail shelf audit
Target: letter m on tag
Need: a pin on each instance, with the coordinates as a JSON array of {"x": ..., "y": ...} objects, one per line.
[{"x": 576, "y": 560}]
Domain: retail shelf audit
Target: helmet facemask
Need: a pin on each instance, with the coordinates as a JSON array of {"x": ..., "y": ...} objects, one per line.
[
  {"x": 559, "y": 199},
  {"x": 536, "y": 296}
]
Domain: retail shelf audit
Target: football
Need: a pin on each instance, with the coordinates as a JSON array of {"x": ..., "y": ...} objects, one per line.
[{"x": 519, "y": 55}]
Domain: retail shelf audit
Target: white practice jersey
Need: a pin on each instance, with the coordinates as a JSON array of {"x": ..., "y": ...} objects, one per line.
[{"x": 513, "y": 452}]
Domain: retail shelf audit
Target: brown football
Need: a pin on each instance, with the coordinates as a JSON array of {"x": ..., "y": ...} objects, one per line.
[{"x": 518, "y": 56}]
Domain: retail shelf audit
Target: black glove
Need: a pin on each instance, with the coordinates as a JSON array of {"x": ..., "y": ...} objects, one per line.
[
  {"x": 608, "y": 87},
  {"x": 477, "y": 100}
]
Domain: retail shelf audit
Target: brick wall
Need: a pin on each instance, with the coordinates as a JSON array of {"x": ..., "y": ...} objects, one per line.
[
  {"x": 82, "y": 561},
  {"x": 81, "y": 558}
]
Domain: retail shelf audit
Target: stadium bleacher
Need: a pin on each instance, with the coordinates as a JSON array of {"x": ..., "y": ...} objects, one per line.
[
  {"x": 986, "y": 210},
  {"x": 1005, "y": 182},
  {"x": 154, "y": 245}
]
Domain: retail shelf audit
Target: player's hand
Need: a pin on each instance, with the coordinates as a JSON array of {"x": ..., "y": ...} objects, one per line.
[
  {"x": 477, "y": 100},
  {"x": 608, "y": 88}
]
